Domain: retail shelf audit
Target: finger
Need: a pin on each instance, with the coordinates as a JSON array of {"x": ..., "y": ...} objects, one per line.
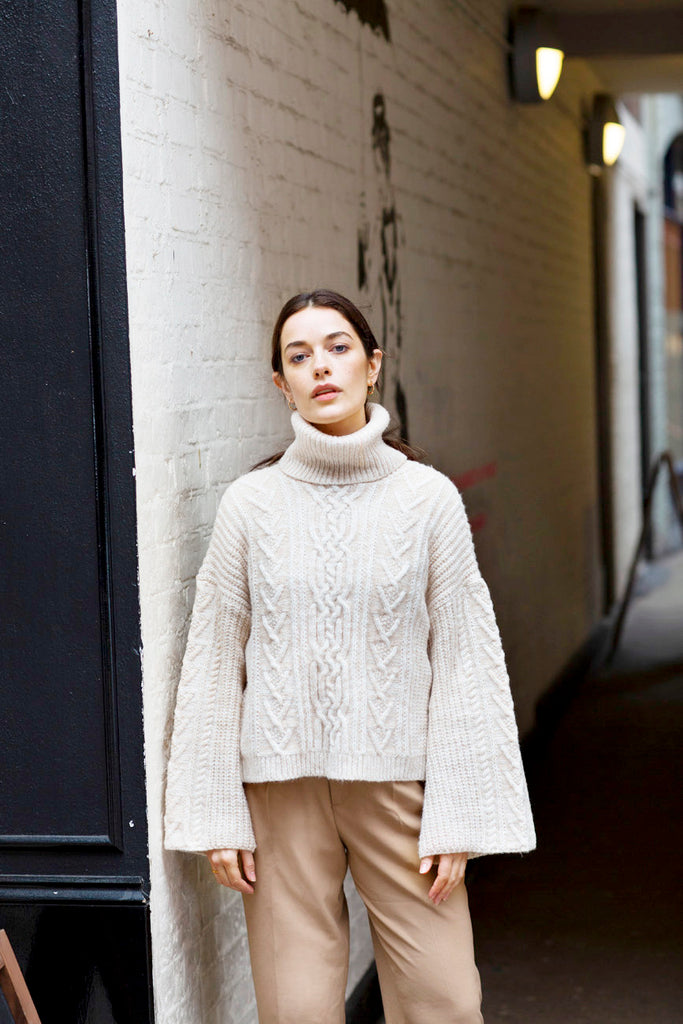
[
  {"x": 219, "y": 858},
  {"x": 232, "y": 872},
  {"x": 238, "y": 883},
  {"x": 453, "y": 868},
  {"x": 453, "y": 879},
  {"x": 218, "y": 869},
  {"x": 226, "y": 870},
  {"x": 456, "y": 874},
  {"x": 221, "y": 865},
  {"x": 248, "y": 864},
  {"x": 425, "y": 864},
  {"x": 441, "y": 877},
  {"x": 462, "y": 867},
  {"x": 221, "y": 875}
]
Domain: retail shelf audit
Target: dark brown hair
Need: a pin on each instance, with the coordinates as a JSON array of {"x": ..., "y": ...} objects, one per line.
[{"x": 326, "y": 299}]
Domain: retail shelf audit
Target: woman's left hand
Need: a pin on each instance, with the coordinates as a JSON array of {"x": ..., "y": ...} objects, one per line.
[{"x": 450, "y": 873}]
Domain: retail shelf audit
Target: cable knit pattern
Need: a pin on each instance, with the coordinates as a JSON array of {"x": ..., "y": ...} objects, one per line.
[
  {"x": 391, "y": 614},
  {"x": 342, "y": 629},
  {"x": 333, "y": 531}
]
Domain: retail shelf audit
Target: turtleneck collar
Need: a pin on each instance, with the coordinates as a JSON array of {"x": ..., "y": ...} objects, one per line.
[{"x": 322, "y": 458}]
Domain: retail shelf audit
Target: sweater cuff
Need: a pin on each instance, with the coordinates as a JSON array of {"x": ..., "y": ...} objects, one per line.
[
  {"x": 434, "y": 841},
  {"x": 235, "y": 833}
]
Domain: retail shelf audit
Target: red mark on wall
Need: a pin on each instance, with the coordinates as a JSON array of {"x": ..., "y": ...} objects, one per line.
[
  {"x": 472, "y": 476},
  {"x": 478, "y": 522},
  {"x": 468, "y": 479}
]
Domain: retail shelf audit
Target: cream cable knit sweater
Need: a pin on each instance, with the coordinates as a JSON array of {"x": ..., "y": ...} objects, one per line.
[{"x": 342, "y": 628}]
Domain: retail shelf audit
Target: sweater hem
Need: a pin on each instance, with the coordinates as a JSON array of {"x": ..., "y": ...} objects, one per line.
[{"x": 343, "y": 767}]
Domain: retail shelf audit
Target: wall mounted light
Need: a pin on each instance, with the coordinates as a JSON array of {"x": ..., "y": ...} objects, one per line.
[
  {"x": 536, "y": 55},
  {"x": 604, "y": 135}
]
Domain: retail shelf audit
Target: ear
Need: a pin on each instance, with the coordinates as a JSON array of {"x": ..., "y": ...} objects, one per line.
[
  {"x": 374, "y": 364},
  {"x": 280, "y": 383}
]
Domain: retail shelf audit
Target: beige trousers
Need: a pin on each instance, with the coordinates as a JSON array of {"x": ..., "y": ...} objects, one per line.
[{"x": 307, "y": 831}]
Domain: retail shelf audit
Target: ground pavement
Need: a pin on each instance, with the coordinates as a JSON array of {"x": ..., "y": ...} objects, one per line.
[{"x": 588, "y": 929}]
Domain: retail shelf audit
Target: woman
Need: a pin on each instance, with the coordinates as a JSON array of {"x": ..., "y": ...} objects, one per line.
[{"x": 344, "y": 699}]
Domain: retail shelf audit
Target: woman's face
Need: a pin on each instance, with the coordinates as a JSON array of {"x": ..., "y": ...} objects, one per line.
[{"x": 320, "y": 349}]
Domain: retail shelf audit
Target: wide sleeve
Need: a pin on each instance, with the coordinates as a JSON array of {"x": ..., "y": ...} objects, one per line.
[
  {"x": 476, "y": 798},
  {"x": 206, "y": 807}
]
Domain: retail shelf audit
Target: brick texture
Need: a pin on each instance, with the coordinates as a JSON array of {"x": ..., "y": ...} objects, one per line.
[{"x": 249, "y": 172}]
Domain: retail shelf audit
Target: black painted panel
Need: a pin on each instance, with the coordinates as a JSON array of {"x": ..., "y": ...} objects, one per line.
[
  {"x": 83, "y": 965},
  {"x": 53, "y": 743},
  {"x": 69, "y": 612}
]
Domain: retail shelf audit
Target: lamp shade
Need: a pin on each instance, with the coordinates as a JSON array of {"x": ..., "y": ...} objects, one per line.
[
  {"x": 606, "y": 133},
  {"x": 548, "y": 69},
  {"x": 536, "y": 55}
]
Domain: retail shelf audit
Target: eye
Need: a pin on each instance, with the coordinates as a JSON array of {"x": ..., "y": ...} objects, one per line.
[
  {"x": 295, "y": 359},
  {"x": 340, "y": 345}
]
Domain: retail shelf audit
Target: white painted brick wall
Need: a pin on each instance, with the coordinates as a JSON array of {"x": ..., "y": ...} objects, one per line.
[
  {"x": 246, "y": 144},
  {"x": 663, "y": 118},
  {"x": 626, "y": 188}
]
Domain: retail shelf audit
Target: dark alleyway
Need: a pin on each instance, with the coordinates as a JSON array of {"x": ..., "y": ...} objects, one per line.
[{"x": 588, "y": 928}]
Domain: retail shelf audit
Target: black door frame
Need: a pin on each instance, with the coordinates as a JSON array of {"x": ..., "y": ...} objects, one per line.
[{"x": 44, "y": 875}]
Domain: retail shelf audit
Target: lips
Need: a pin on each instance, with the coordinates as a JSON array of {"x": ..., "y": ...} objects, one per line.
[{"x": 327, "y": 389}]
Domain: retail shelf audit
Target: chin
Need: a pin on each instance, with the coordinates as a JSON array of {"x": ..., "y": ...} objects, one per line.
[
  {"x": 332, "y": 412},
  {"x": 326, "y": 416}
]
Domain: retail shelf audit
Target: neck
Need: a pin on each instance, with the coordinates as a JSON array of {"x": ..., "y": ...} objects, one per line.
[
  {"x": 322, "y": 458},
  {"x": 356, "y": 421}
]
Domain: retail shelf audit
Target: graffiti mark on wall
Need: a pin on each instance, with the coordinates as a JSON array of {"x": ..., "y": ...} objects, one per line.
[
  {"x": 370, "y": 12},
  {"x": 378, "y": 263}
]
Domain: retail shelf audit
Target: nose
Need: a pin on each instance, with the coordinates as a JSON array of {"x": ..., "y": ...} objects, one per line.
[{"x": 320, "y": 364}]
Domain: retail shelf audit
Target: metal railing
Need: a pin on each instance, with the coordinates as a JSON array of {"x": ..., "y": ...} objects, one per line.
[{"x": 663, "y": 459}]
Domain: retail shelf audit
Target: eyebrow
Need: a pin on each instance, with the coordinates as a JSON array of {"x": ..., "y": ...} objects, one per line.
[{"x": 328, "y": 337}]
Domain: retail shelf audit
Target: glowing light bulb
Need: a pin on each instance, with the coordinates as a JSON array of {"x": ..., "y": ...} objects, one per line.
[
  {"x": 548, "y": 69},
  {"x": 612, "y": 141}
]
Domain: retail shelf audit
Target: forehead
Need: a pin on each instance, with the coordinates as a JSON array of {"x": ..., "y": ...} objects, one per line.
[{"x": 314, "y": 322}]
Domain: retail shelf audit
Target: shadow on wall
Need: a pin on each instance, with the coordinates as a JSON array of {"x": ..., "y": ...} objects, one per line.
[
  {"x": 370, "y": 12},
  {"x": 378, "y": 263},
  {"x": 378, "y": 235}
]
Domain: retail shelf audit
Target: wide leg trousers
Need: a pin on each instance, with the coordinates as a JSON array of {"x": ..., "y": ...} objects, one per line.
[{"x": 307, "y": 832}]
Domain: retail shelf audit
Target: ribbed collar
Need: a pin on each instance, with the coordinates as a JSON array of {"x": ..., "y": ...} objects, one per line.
[{"x": 322, "y": 458}]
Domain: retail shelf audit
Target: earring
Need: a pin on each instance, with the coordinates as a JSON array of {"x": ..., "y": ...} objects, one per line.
[
  {"x": 292, "y": 405},
  {"x": 371, "y": 388}
]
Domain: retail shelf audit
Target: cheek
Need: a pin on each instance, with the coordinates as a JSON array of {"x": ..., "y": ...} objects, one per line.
[{"x": 357, "y": 370}]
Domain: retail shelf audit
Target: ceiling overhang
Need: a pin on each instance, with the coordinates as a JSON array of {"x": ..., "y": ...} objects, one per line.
[{"x": 634, "y": 50}]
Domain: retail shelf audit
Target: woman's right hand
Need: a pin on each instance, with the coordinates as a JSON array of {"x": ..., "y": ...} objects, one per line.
[{"x": 225, "y": 865}]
